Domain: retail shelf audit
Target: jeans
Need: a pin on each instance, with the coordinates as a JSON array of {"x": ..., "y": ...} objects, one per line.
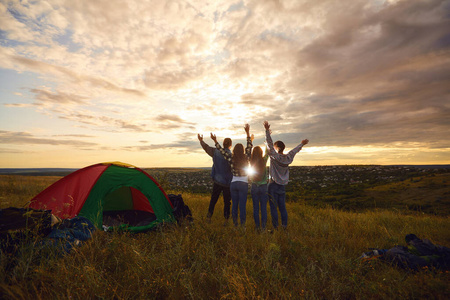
[
  {"x": 217, "y": 189},
  {"x": 239, "y": 190},
  {"x": 259, "y": 198},
  {"x": 277, "y": 200}
]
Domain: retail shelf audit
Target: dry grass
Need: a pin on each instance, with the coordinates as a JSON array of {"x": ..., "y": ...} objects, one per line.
[
  {"x": 17, "y": 190},
  {"x": 316, "y": 258},
  {"x": 427, "y": 193}
]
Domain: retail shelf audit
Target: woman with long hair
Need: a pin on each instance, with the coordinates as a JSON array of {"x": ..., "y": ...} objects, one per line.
[
  {"x": 259, "y": 180},
  {"x": 238, "y": 161}
]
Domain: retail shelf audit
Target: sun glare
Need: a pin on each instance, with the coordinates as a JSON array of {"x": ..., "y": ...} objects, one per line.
[{"x": 250, "y": 171}]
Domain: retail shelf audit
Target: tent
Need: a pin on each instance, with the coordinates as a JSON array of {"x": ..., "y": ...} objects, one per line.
[{"x": 111, "y": 194}]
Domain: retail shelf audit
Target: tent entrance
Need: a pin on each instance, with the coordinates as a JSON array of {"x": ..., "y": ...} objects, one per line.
[
  {"x": 121, "y": 206},
  {"x": 134, "y": 218}
]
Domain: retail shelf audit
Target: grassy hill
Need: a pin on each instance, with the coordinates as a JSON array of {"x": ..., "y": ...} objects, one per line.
[
  {"x": 316, "y": 258},
  {"x": 429, "y": 194},
  {"x": 424, "y": 194}
]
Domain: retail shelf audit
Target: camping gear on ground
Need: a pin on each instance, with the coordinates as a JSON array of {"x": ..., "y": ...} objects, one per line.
[
  {"x": 418, "y": 254},
  {"x": 13, "y": 218},
  {"x": 26, "y": 231},
  {"x": 111, "y": 195},
  {"x": 68, "y": 233},
  {"x": 180, "y": 210},
  {"x": 18, "y": 225}
]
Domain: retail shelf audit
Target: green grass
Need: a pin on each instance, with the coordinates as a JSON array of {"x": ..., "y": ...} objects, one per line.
[{"x": 316, "y": 258}]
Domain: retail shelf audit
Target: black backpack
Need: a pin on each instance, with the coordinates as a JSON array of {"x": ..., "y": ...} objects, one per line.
[{"x": 180, "y": 210}]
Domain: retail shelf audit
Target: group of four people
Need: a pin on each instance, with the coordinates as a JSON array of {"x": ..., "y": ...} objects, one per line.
[{"x": 231, "y": 174}]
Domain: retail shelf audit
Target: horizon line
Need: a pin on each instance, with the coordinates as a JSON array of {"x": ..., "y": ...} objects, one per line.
[{"x": 325, "y": 165}]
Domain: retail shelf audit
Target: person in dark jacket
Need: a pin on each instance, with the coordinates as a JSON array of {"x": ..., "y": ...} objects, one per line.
[
  {"x": 416, "y": 255},
  {"x": 221, "y": 176},
  {"x": 419, "y": 254}
]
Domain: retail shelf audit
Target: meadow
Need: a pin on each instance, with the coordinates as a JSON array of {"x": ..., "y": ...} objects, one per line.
[{"x": 315, "y": 258}]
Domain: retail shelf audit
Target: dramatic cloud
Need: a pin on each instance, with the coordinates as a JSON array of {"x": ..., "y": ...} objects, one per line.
[{"x": 355, "y": 74}]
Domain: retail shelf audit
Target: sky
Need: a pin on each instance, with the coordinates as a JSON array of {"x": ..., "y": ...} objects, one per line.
[{"x": 83, "y": 82}]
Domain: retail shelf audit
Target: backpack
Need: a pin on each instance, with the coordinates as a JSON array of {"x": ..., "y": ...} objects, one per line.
[{"x": 180, "y": 210}]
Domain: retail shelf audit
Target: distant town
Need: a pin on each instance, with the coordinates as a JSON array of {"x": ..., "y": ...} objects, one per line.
[{"x": 311, "y": 178}]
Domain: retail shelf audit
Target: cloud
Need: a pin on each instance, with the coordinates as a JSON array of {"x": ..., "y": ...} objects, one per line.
[
  {"x": 24, "y": 138},
  {"x": 377, "y": 77},
  {"x": 367, "y": 52},
  {"x": 129, "y": 126},
  {"x": 181, "y": 146},
  {"x": 172, "y": 79},
  {"x": 105, "y": 123},
  {"x": 166, "y": 121},
  {"x": 359, "y": 73},
  {"x": 12, "y": 151},
  {"x": 255, "y": 99},
  {"x": 60, "y": 98},
  {"x": 17, "y": 105},
  {"x": 75, "y": 135},
  {"x": 73, "y": 76}
]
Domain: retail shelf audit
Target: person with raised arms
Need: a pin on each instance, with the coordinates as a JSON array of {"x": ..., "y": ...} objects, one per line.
[
  {"x": 279, "y": 176},
  {"x": 221, "y": 177}
]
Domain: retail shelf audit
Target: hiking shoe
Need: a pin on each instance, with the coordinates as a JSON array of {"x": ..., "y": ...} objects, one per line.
[{"x": 375, "y": 253}]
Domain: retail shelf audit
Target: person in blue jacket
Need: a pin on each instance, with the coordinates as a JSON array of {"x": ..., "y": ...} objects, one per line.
[{"x": 221, "y": 176}]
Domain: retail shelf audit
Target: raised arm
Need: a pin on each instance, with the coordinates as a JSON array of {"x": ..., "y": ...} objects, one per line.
[
  {"x": 248, "y": 149},
  {"x": 247, "y": 129},
  {"x": 294, "y": 151},
  {"x": 214, "y": 138},
  {"x": 209, "y": 150},
  {"x": 225, "y": 153},
  {"x": 269, "y": 142}
]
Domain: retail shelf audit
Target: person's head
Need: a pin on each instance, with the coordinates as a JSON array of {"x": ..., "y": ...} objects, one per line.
[
  {"x": 279, "y": 146},
  {"x": 257, "y": 153},
  {"x": 239, "y": 158},
  {"x": 238, "y": 149},
  {"x": 227, "y": 143},
  {"x": 410, "y": 237}
]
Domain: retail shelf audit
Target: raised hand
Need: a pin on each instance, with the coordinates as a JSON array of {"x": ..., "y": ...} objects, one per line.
[
  {"x": 305, "y": 141},
  {"x": 247, "y": 129},
  {"x": 266, "y": 125},
  {"x": 200, "y": 137},
  {"x": 213, "y": 137}
]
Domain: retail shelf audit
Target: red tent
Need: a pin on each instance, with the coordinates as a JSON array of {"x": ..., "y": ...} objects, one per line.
[{"x": 108, "y": 189}]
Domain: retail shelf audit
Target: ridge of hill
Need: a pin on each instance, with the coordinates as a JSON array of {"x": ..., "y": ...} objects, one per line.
[
  {"x": 37, "y": 171},
  {"x": 66, "y": 171}
]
